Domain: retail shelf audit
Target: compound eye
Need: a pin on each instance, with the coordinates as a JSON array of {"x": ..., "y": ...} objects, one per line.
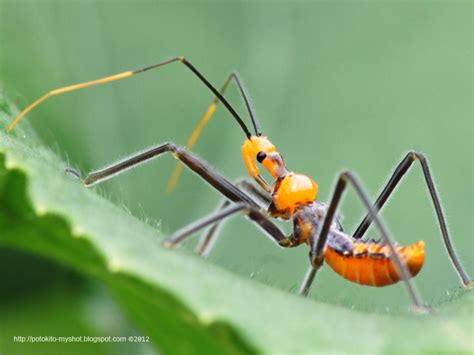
[{"x": 261, "y": 156}]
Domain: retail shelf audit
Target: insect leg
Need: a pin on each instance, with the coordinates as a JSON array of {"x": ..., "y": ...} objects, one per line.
[
  {"x": 217, "y": 217},
  {"x": 220, "y": 183},
  {"x": 397, "y": 175},
  {"x": 308, "y": 280},
  {"x": 208, "y": 238},
  {"x": 319, "y": 244}
]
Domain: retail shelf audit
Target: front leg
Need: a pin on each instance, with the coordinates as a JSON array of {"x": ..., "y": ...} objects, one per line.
[
  {"x": 195, "y": 164},
  {"x": 252, "y": 212}
]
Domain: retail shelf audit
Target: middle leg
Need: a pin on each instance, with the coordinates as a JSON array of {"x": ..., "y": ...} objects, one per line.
[{"x": 217, "y": 217}]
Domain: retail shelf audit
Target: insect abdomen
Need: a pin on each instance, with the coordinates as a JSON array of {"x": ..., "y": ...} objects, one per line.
[{"x": 370, "y": 263}]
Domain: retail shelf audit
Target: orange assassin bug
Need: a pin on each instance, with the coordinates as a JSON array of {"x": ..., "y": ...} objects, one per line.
[{"x": 291, "y": 196}]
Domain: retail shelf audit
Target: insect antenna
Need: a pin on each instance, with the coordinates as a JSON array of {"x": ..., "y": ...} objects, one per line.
[{"x": 128, "y": 74}]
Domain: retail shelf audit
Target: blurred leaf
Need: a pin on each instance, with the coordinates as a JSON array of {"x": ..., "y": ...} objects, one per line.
[
  {"x": 185, "y": 304},
  {"x": 63, "y": 311}
]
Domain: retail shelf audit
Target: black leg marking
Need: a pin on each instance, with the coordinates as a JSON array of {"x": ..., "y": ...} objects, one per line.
[{"x": 397, "y": 175}]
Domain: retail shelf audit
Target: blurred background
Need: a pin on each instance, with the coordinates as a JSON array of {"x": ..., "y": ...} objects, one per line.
[{"x": 336, "y": 85}]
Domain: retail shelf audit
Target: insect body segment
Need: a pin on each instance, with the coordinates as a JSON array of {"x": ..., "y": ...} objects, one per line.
[
  {"x": 371, "y": 263},
  {"x": 290, "y": 189}
]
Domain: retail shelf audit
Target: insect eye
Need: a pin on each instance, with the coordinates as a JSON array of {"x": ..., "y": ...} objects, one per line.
[{"x": 261, "y": 156}]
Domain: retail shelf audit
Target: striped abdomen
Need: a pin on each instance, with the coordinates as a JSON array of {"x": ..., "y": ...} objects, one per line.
[{"x": 370, "y": 263}]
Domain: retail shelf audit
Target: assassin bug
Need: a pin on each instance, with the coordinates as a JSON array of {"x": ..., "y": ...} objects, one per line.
[{"x": 291, "y": 196}]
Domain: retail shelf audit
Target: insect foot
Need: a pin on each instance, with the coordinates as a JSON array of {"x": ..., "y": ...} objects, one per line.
[
  {"x": 168, "y": 244},
  {"x": 73, "y": 172}
]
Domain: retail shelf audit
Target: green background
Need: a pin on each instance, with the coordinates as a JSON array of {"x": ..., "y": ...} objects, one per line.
[{"x": 336, "y": 85}]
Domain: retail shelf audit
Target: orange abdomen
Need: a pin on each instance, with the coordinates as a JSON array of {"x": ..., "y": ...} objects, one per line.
[{"x": 370, "y": 263}]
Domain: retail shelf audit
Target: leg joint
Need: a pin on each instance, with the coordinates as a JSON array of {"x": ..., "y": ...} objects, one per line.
[
  {"x": 316, "y": 260},
  {"x": 415, "y": 155},
  {"x": 346, "y": 175},
  {"x": 171, "y": 147}
]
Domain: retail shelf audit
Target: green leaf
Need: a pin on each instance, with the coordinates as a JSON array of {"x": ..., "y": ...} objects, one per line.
[{"x": 184, "y": 303}]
